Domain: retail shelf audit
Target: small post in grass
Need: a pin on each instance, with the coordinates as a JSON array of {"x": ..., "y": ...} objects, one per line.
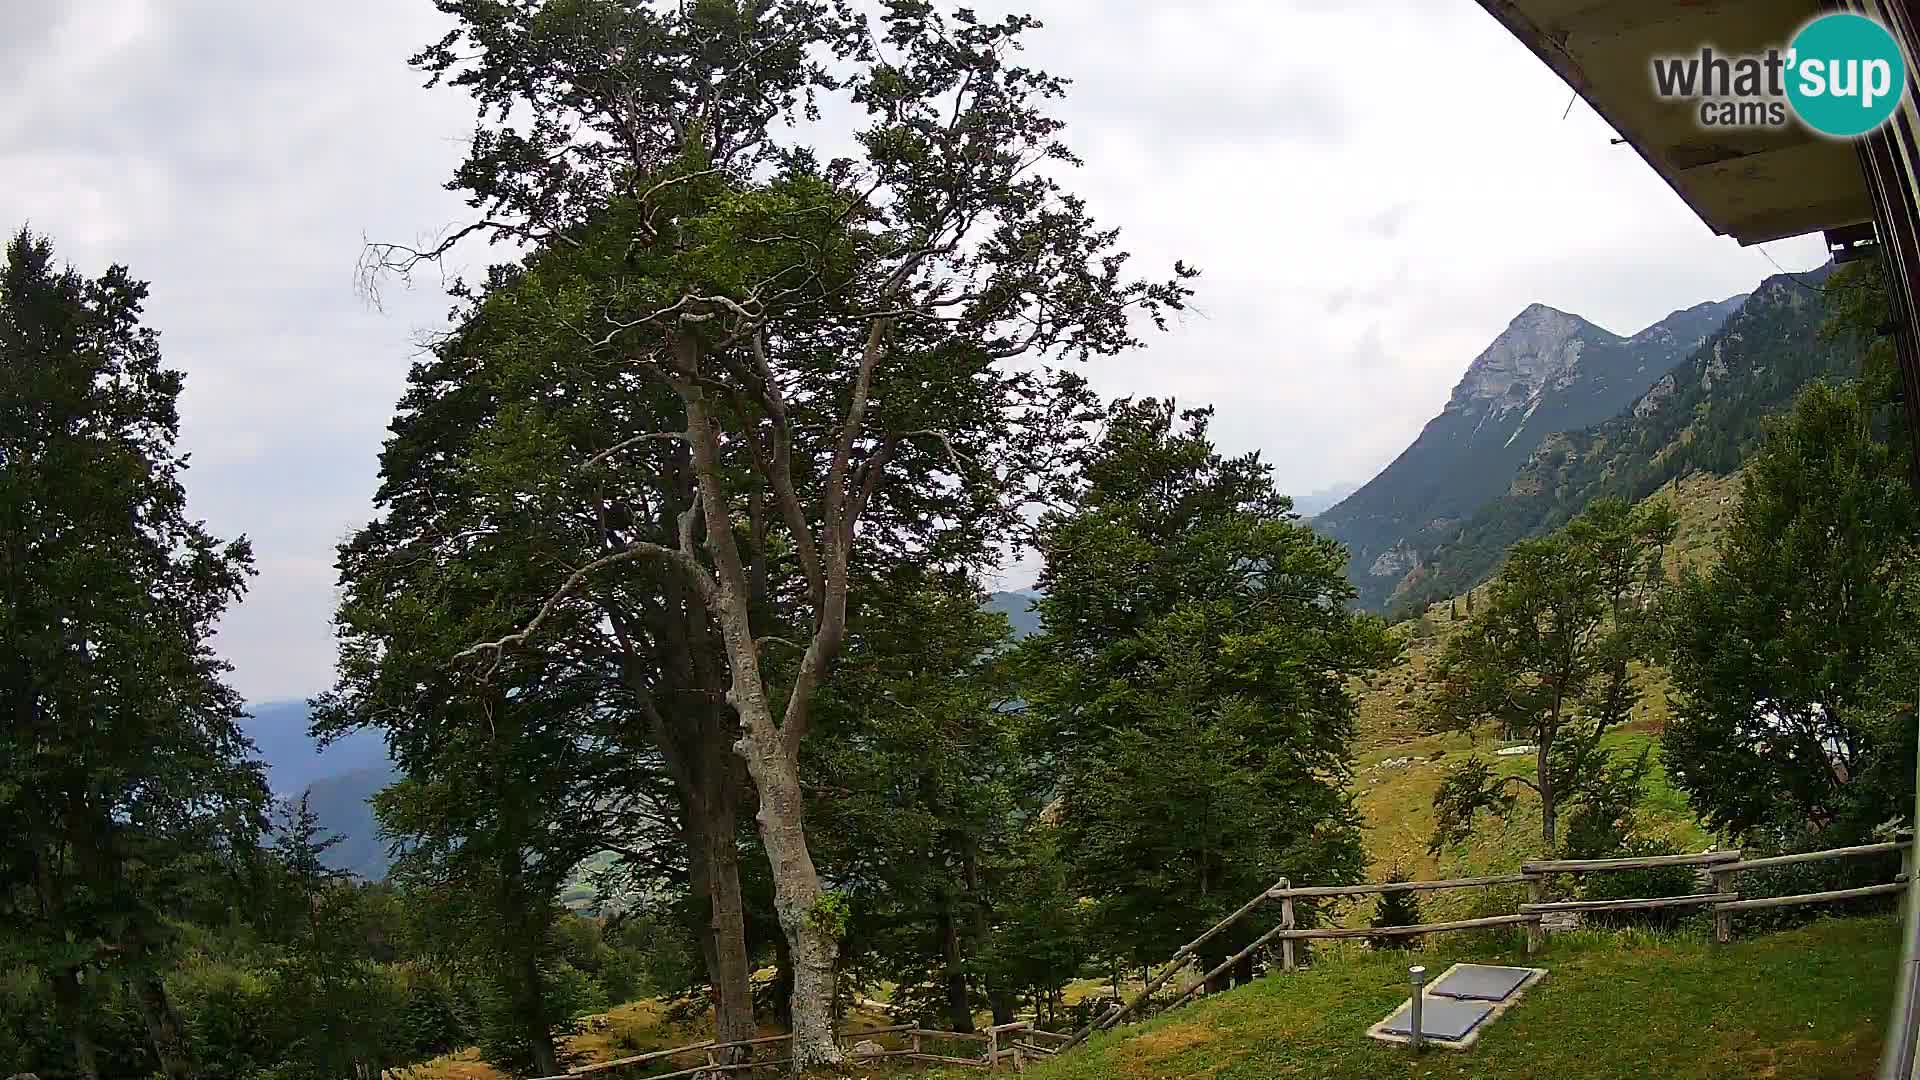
[
  {"x": 1286, "y": 920},
  {"x": 1722, "y": 918},
  {"x": 1417, "y": 975},
  {"x": 1536, "y": 894}
]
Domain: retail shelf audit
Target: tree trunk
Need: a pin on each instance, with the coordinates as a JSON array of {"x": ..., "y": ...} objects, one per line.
[
  {"x": 959, "y": 1004},
  {"x": 1243, "y": 971},
  {"x": 715, "y": 869},
  {"x": 782, "y": 982},
  {"x": 1549, "y": 812},
  {"x": 697, "y": 746},
  {"x": 809, "y": 929},
  {"x": 520, "y": 971},
  {"x": 533, "y": 1013},
  {"x": 526, "y": 931},
  {"x": 1219, "y": 982},
  {"x": 772, "y": 753},
  {"x": 164, "y": 1030},
  {"x": 998, "y": 997},
  {"x": 69, "y": 1003}
]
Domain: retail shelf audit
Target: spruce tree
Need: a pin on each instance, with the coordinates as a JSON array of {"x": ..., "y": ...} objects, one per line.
[
  {"x": 123, "y": 771},
  {"x": 1395, "y": 909}
]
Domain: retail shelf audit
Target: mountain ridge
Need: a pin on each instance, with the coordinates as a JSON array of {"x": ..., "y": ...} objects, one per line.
[
  {"x": 1547, "y": 371},
  {"x": 1702, "y": 415}
]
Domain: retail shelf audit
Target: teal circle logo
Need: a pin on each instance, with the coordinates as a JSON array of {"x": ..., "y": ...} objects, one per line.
[{"x": 1846, "y": 75}]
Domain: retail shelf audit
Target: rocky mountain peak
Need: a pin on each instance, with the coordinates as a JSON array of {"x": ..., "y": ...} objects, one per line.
[
  {"x": 1540, "y": 346},
  {"x": 1549, "y": 371}
]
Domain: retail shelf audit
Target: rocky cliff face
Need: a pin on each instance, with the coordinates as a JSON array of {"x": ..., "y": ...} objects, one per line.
[
  {"x": 1702, "y": 415},
  {"x": 1538, "y": 354},
  {"x": 1548, "y": 371}
]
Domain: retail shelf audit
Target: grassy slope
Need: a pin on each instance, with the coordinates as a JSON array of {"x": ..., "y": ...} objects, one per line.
[
  {"x": 1398, "y": 766},
  {"x": 1805, "y": 1004}
]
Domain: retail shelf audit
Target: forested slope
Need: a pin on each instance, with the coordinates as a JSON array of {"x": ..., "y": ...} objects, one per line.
[{"x": 1702, "y": 417}]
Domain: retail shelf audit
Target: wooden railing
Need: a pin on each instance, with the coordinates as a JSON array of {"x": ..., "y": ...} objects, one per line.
[
  {"x": 1019, "y": 1042},
  {"x": 1012, "y": 1044},
  {"x": 1724, "y": 901}
]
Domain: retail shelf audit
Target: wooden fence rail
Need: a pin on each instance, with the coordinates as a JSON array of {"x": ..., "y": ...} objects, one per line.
[
  {"x": 1012, "y": 1044},
  {"x": 1017, "y": 1042},
  {"x": 1724, "y": 900}
]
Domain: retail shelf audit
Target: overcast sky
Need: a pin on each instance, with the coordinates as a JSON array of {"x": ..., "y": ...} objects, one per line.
[{"x": 1372, "y": 190}]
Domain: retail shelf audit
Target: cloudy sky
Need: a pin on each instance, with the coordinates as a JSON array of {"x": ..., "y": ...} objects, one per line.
[{"x": 1372, "y": 189}]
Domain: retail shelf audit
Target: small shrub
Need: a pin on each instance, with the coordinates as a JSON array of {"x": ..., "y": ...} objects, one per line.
[
  {"x": 230, "y": 1016},
  {"x": 433, "y": 1020},
  {"x": 1826, "y": 875},
  {"x": 1396, "y": 909},
  {"x": 1642, "y": 884},
  {"x": 1082, "y": 1012},
  {"x": 1486, "y": 903}
]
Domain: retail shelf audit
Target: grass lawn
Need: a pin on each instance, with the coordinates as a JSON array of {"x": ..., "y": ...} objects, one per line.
[{"x": 1806, "y": 1004}]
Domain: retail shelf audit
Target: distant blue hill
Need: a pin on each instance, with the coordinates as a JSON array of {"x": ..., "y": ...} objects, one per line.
[
  {"x": 1018, "y": 608},
  {"x": 294, "y": 758},
  {"x": 337, "y": 781}
]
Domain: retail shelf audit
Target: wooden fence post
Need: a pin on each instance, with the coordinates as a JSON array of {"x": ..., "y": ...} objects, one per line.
[
  {"x": 993, "y": 1048},
  {"x": 1722, "y": 918},
  {"x": 1536, "y": 894},
  {"x": 1286, "y": 920}
]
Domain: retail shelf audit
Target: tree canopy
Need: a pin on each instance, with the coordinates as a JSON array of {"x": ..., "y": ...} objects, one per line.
[
  {"x": 1190, "y": 683},
  {"x": 124, "y": 778}
]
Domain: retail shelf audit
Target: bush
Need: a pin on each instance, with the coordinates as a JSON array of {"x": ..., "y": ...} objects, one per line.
[
  {"x": 1396, "y": 909},
  {"x": 1642, "y": 884},
  {"x": 434, "y": 1019},
  {"x": 661, "y": 951},
  {"x": 230, "y": 1017},
  {"x": 501, "y": 1033},
  {"x": 29, "y": 1037},
  {"x": 1486, "y": 903},
  {"x": 1081, "y": 1013},
  {"x": 1810, "y": 877}
]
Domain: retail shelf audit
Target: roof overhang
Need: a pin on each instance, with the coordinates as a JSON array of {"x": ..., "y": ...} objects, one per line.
[{"x": 1753, "y": 184}]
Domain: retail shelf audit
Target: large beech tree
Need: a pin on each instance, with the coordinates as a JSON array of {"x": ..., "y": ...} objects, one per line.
[
  {"x": 1785, "y": 651},
  {"x": 123, "y": 773},
  {"x": 834, "y": 334},
  {"x": 500, "y": 481}
]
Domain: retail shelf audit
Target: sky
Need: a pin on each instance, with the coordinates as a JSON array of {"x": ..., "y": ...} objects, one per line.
[{"x": 1372, "y": 191}]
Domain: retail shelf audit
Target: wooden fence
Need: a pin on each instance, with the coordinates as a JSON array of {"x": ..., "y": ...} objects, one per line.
[
  {"x": 1002, "y": 1044},
  {"x": 1724, "y": 901},
  {"x": 1017, "y": 1043}
]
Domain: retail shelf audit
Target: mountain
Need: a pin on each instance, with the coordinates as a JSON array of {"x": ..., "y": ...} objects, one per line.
[
  {"x": 341, "y": 803},
  {"x": 1703, "y": 416},
  {"x": 1018, "y": 608},
  {"x": 1548, "y": 371},
  {"x": 338, "y": 781},
  {"x": 1319, "y": 502},
  {"x": 294, "y": 758}
]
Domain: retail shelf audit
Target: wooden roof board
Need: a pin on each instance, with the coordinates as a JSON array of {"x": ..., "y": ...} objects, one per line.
[{"x": 1752, "y": 185}]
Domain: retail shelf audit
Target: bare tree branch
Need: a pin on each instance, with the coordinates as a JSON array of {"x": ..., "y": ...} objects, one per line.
[{"x": 634, "y": 550}]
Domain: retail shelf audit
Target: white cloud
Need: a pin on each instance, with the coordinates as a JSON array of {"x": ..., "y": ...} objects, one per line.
[{"x": 1372, "y": 191}]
